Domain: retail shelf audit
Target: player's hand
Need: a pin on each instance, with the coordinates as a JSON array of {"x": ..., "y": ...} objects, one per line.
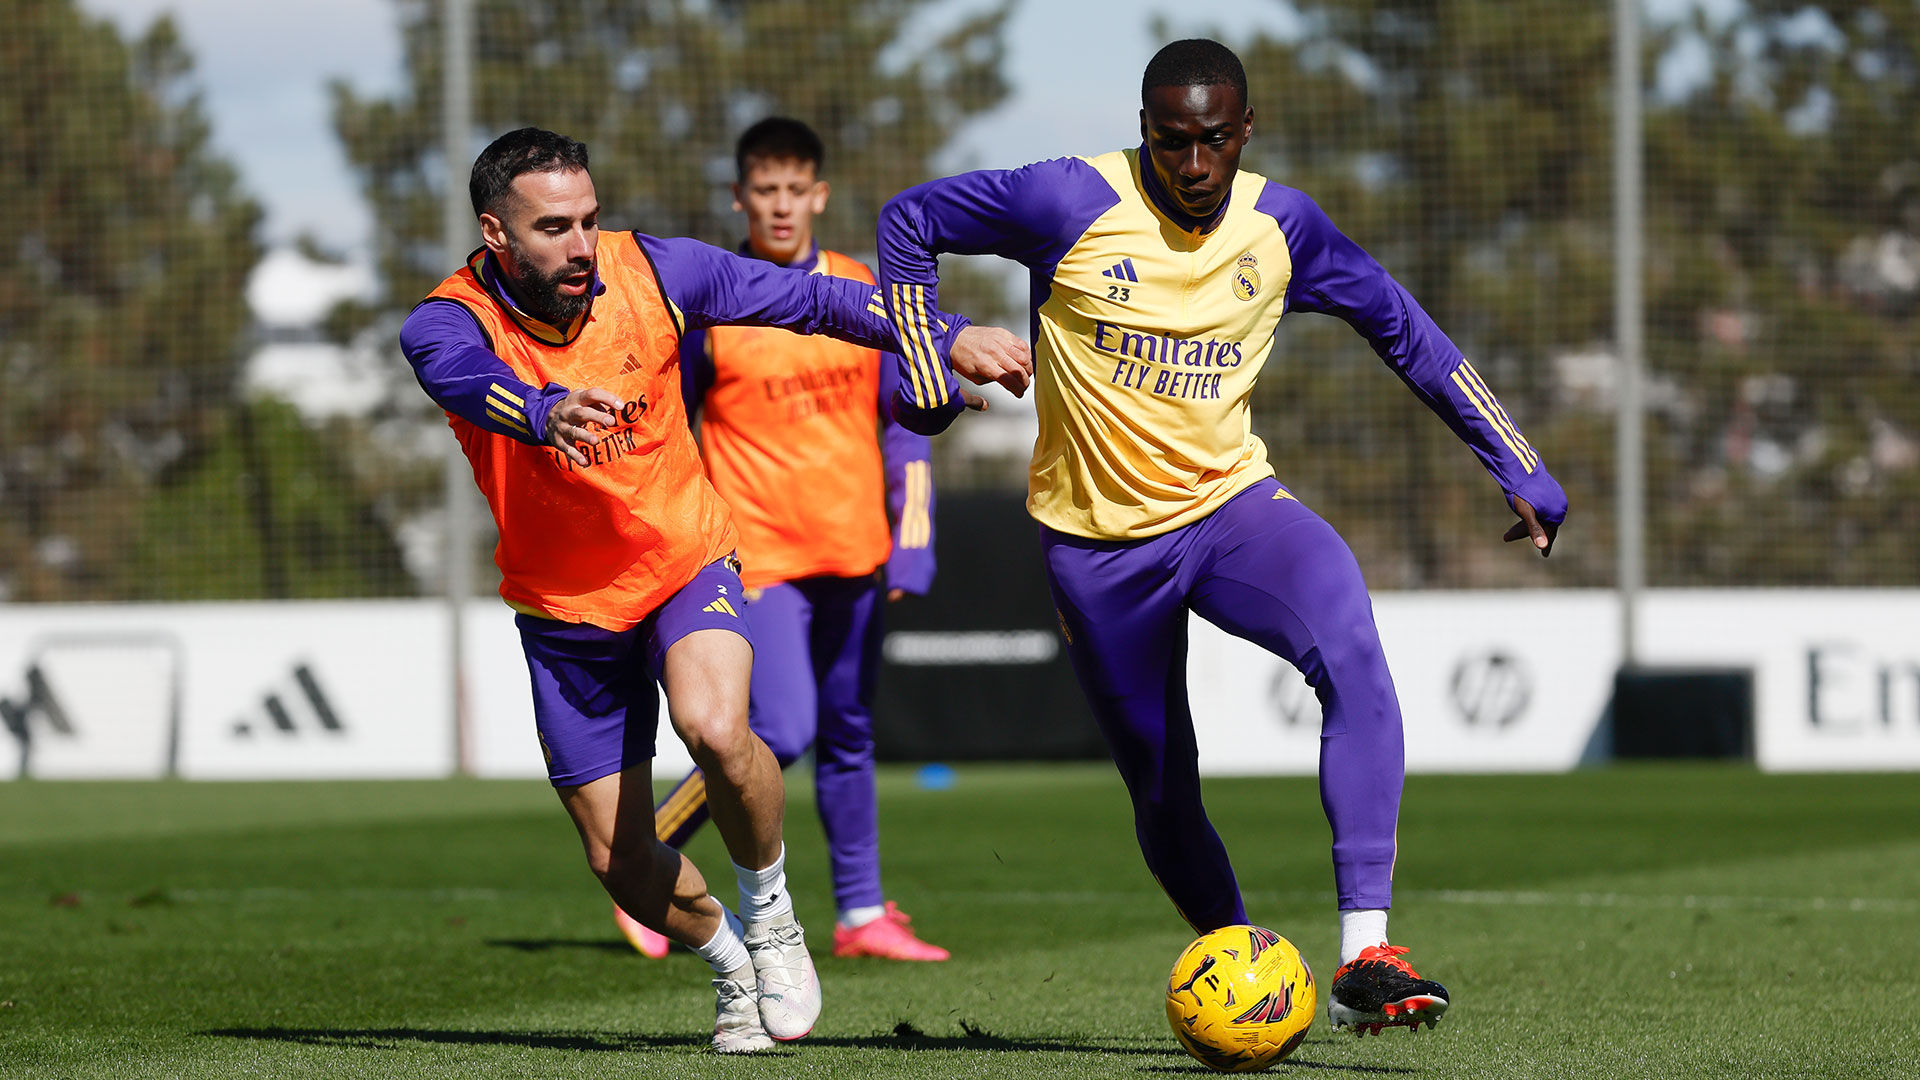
[
  {"x": 1531, "y": 525},
  {"x": 568, "y": 419},
  {"x": 972, "y": 400},
  {"x": 984, "y": 354},
  {"x": 894, "y": 596}
]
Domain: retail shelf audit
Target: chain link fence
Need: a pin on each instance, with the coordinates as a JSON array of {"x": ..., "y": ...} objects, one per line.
[{"x": 168, "y": 439}]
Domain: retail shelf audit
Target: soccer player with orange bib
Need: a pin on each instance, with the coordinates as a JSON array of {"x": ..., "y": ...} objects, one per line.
[
  {"x": 556, "y": 354},
  {"x": 829, "y": 494},
  {"x": 1159, "y": 274}
]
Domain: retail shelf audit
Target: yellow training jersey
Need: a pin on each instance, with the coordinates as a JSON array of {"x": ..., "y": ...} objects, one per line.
[{"x": 1150, "y": 329}]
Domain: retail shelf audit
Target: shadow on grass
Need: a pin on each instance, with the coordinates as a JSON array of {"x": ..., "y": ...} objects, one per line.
[
  {"x": 904, "y": 1036},
  {"x": 1195, "y": 1068},
  {"x": 532, "y": 945}
]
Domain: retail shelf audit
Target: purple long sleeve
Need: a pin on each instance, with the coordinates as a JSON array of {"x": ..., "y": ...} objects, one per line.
[
  {"x": 908, "y": 460},
  {"x": 1032, "y": 215},
  {"x": 1334, "y": 276},
  {"x": 457, "y": 367},
  {"x": 710, "y": 286}
]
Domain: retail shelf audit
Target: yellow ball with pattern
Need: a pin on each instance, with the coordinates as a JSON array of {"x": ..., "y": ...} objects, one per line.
[{"x": 1240, "y": 998}]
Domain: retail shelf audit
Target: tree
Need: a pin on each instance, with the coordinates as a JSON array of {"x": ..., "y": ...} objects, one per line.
[
  {"x": 1468, "y": 145},
  {"x": 122, "y": 322},
  {"x": 1784, "y": 275},
  {"x": 1465, "y": 145},
  {"x": 659, "y": 92}
]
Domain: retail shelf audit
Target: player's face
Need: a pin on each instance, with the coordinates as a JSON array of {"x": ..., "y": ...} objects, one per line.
[
  {"x": 780, "y": 198},
  {"x": 1194, "y": 135},
  {"x": 544, "y": 238}
]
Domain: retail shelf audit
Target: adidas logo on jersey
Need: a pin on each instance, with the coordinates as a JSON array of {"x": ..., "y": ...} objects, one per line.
[
  {"x": 1122, "y": 270},
  {"x": 632, "y": 365},
  {"x": 721, "y": 605}
]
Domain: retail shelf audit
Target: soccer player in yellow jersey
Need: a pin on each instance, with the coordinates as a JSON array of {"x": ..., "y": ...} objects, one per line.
[{"x": 1158, "y": 275}]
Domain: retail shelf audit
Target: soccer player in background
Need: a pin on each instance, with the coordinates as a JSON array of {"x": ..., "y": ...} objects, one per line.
[
  {"x": 556, "y": 354},
  {"x": 1158, "y": 275},
  {"x": 826, "y": 490}
]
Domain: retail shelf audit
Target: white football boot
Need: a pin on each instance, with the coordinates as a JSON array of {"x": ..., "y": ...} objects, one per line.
[
  {"x": 789, "y": 989},
  {"x": 736, "y": 1019}
]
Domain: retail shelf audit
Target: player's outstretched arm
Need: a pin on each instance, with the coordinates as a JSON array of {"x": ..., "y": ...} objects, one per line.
[
  {"x": 459, "y": 371},
  {"x": 1334, "y": 276},
  {"x": 1031, "y": 215},
  {"x": 708, "y": 286}
]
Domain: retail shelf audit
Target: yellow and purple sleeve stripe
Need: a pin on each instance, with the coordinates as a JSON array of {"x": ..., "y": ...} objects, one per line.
[
  {"x": 916, "y": 524},
  {"x": 909, "y": 311},
  {"x": 1469, "y": 382},
  {"x": 508, "y": 408}
]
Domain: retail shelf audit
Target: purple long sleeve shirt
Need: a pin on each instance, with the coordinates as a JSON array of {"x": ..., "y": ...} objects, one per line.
[
  {"x": 705, "y": 285},
  {"x": 1150, "y": 328}
]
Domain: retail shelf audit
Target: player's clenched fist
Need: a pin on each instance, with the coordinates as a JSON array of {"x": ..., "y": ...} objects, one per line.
[
  {"x": 568, "y": 419},
  {"x": 984, "y": 354}
]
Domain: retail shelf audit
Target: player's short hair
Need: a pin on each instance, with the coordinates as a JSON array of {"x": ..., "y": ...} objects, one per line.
[
  {"x": 518, "y": 152},
  {"x": 778, "y": 138},
  {"x": 1194, "y": 62}
]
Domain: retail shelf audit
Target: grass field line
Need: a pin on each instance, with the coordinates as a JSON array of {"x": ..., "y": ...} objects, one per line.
[
  {"x": 1522, "y": 898},
  {"x": 1469, "y": 897}
]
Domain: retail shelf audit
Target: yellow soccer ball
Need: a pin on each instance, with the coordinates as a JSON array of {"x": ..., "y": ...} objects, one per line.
[{"x": 1240, "y": 998}]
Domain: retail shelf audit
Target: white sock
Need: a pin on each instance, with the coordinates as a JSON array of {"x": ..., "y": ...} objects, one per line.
[
  {"x": 857, "y": 917},
  {"x": 1359, "y": 929},
  {"x": 763, "y": 892},
  {"x": 727, "y": 952}
]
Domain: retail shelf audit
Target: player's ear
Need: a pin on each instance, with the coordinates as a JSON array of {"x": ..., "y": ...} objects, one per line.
[
  {"x": 820, "y": 192},
  {"x": 1246, "y": 125},
  {"x": 493, "y": 233},
  {"x": 1143, "y": 125},
  {"x": 739, "y": 207}
]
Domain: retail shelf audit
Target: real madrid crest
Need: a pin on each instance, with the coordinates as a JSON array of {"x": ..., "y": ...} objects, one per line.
[{"x": 1246, "y": 277}]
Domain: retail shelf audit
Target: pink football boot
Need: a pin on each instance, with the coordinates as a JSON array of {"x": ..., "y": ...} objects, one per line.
[
  {"x": 889, "y": 937},
  {"x": 650, "y": 945}
]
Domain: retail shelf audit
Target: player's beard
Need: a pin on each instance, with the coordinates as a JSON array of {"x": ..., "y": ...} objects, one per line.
[{"x": 540, "y": 293}]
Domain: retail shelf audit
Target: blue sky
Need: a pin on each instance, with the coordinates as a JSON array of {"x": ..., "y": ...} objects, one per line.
[{"x": 264, "y": 68}]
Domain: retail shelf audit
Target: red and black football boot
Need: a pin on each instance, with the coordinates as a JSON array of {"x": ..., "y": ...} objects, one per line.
[{"x": 1377, "y": 989}]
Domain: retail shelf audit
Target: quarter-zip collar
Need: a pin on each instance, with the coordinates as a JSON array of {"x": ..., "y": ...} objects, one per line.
[{"x": 1164, "y": 203}]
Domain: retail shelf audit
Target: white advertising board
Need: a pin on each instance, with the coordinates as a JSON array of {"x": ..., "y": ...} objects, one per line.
[
  {"x": 501, "y": 742},
  {"x": 225, "y": 691},
  {"x": 1836, "y": 672},
  {"x": 1488, "y": 682}
]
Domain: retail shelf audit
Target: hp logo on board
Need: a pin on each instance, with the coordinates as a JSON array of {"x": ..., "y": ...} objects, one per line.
[{"x": 1492, "y": 689}]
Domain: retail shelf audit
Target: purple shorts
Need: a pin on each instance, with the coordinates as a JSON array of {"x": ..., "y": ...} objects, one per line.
[{"x": 595, "y": 701}]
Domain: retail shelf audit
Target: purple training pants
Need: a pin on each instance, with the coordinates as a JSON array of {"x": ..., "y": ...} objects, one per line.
[{"x": 1265, "y": 568}]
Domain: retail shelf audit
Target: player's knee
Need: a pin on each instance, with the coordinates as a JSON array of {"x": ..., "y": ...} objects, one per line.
[
  {"x": 1351, "y": 649},
  {"x": 632, "y": 863},
  {"x": 716, "y": 738}
]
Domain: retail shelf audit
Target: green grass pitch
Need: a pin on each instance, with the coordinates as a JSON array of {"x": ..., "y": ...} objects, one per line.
[{"x": 1664, "y": 921}]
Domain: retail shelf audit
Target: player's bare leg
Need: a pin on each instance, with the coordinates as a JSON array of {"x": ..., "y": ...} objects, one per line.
[
  {"x": 666, "y": 892},
  {"x": 707, "y": 675},
  {"x": 651, "y": 881}
]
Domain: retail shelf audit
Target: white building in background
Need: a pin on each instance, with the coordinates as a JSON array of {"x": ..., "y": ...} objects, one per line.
[{"x": 290, "y": 295}]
